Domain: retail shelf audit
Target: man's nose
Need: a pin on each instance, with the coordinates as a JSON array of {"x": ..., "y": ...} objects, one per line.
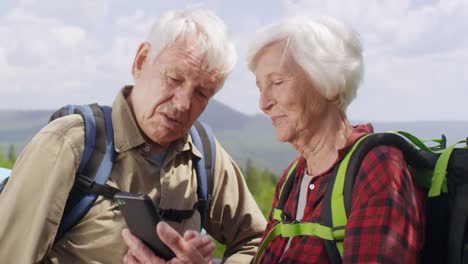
[{"x": 183, "y": 98}]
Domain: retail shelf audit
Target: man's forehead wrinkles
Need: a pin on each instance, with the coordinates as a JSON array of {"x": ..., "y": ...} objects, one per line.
[
  {"x": 186, "y": 59},
  {"x": 205, "y": 78},
  {"x": 196, "y": 63},
  {"x": 193, "y": 60}
]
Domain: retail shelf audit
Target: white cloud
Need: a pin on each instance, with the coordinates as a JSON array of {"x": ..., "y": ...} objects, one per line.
[
  {"x": 46, "y": 62},
  {"x": 81, "y": 10},
  {"x": 82, "y": 51},
  {"x": 68, "y": 35},
  {"x": 415, "y": 56}
]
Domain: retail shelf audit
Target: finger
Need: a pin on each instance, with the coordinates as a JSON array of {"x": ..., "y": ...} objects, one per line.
[
  {"x": 181, "y": 248},
  {"x": 196, "y": 239},
  {"x": 140, "y": 252},
  {"x": 190, "y": 234},
  {"x": 203, "y": 244},
  {"x": 207, "y": 250},
  {"x": 176, "y": 261},
  {"x": 129, "y": 259}
]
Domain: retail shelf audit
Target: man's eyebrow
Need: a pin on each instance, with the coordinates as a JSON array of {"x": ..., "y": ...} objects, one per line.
[
  {"x": 174, "y": 69},
  {"x": 275, "y": 74}
]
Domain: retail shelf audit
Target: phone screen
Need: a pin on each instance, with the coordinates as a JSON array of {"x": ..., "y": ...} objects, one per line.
[{"x": 142, "y": 217}]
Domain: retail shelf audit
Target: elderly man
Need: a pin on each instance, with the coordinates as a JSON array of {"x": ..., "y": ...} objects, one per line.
[{"x": 183, "y": 63}]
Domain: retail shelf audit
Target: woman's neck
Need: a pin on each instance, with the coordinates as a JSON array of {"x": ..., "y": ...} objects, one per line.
[{"x": 321, "y": 148}]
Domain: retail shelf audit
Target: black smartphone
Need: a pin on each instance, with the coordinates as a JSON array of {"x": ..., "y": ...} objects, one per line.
[{"x": 142, "y": 217}]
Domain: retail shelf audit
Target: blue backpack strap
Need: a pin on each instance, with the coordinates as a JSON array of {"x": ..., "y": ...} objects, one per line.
[
  {"x": 90, "y": 130},
  {"x": 98, "y": 126},
  {"x": 105, "y": 168},
  {"x": 204, "y": 140}
]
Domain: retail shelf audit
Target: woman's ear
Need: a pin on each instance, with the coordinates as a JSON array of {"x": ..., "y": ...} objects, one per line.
[{"x": 140, "y": 58}]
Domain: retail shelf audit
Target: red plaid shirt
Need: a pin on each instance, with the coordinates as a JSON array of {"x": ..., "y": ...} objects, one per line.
[{"x": 385, "y": 224}]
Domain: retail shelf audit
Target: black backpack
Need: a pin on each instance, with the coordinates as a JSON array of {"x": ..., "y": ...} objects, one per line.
[
  {"x": 441, "y": 170},
  {"x": 97, "y": 161}
]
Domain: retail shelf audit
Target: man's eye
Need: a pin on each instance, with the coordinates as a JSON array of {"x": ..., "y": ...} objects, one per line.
[
  {"x": 173, "y": 79},
  {"x": 202, "y": 94},
  {"x": 277, "y": 82}
]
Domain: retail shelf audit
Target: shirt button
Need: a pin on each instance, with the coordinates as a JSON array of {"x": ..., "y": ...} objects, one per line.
[
  {"x": 312, "y": 186},
  {"x": 147, "y": 149}
]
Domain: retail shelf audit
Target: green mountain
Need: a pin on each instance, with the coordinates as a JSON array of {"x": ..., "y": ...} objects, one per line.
[{"x": 244, "y": 137}]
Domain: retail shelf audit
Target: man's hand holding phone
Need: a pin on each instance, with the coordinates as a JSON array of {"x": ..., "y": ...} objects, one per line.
[{"x": 192, "y": 248}]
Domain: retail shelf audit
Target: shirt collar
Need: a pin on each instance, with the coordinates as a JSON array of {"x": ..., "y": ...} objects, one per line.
[{"x": 357, "y": 133}]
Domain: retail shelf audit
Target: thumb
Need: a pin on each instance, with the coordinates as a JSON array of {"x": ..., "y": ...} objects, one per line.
[{"x": 174, "y": 241}]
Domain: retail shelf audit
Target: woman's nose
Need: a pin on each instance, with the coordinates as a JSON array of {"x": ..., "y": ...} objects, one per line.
[{"x": 266, "y": 100}]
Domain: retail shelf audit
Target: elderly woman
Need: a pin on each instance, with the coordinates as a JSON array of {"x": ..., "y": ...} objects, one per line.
[{"x": 308, "y": 71}]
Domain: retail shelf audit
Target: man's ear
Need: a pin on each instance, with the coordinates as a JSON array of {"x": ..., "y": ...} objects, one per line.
[{"x": 140, "y": 58}]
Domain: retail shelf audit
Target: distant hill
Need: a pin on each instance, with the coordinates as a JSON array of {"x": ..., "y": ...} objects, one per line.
[
  {"x": 243, "y": 136},
  {"x": 18, "y": 127}
]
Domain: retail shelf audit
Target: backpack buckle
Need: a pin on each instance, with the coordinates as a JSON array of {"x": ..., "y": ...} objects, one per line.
[
  {"x": 338, "y": 233},
  {"x": 287, "y": 219},
  {"x": 87, "y": 185}
]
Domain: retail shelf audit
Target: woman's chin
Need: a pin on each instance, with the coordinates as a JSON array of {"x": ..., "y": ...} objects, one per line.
[{"x": 281, "y": 137}]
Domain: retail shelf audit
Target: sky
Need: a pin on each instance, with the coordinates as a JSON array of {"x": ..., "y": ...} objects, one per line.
[{"x": 56, "y": 52}]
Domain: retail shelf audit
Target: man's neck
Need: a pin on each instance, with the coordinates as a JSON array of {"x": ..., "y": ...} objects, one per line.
[{"x": 158, "y": 149}]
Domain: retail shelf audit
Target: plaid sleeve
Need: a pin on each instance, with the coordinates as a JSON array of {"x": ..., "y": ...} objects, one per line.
[{"x": 385, "y": 224}]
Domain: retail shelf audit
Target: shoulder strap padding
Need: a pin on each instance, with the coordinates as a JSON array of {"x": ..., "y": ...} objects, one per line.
[
  {"x": 413, "y": 157},
  {"x": 96, "y": 163},
  {"x": 204, "y": 140}
]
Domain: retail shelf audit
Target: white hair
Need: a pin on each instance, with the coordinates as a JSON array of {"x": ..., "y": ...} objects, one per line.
[
  {"x": 209, "y": 31},
  {"x": 328, "y": 51}
]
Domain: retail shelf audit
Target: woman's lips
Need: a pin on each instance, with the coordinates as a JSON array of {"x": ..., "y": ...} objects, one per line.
[{"x": 275, "y": 120}]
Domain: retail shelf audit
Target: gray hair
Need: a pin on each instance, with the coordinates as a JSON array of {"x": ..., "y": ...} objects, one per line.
[
  {"x": 209, "y": 30},
  {"x": 328, "y": 51}
]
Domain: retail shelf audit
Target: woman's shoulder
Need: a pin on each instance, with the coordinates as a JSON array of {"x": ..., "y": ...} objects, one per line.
[{"x": 383, "y": 154}]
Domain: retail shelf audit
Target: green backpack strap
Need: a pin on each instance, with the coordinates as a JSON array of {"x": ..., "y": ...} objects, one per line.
[
  {"x": 284, "y": 192},
  {"x": 339, "y": 215},
  {"x": 337, "y": 204},
  {"x": 288, "y": 227},
  {"x": 342, "y": 186},
  {"x": 439, "y": 180}
]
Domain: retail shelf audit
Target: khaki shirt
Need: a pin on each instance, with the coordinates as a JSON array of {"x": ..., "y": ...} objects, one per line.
[{"x": 32, "y": 203}]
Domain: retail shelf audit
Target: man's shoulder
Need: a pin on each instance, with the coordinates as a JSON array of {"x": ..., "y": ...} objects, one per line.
[
  {"x": 64, "y": 124},
  {"x": 70, "y": 128}
]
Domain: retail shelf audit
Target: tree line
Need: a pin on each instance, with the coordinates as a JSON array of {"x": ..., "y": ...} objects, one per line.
[{"x": 7, "y": 161}]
